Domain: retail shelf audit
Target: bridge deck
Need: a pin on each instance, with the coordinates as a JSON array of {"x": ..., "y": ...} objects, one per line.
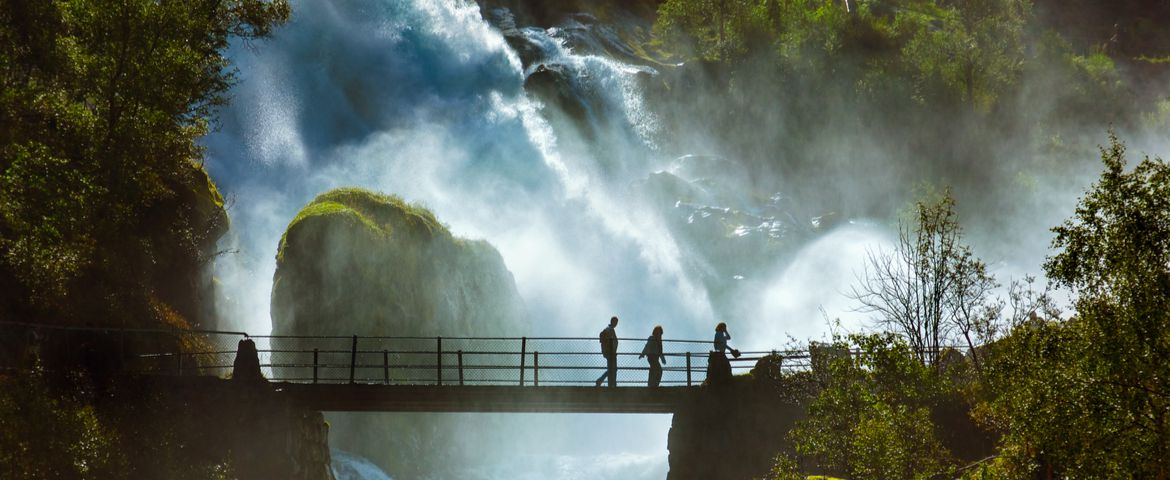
[{"x": 433, "y": 398}]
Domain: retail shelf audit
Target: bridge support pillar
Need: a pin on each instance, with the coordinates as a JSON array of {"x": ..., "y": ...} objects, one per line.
[
  {"x": 277, "y": 439},
  {"x": 246, "y": 367},
  {"x": 733, "y": 432}
]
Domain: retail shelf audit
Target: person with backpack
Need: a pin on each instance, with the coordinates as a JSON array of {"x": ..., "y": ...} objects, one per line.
[
  {"x": 609, "y": 345},
  {"x": 653, "y": 354}
]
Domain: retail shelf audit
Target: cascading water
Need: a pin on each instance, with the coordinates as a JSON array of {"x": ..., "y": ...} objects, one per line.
[
  {"x": 425, "y": 100},
  {"x": 350, "y": 467}
]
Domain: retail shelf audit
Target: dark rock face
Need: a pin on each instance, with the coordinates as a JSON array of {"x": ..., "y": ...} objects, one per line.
[
  {"x": 257, "y": 432},
  {"x": 731, "y": 431},
  {"x": 528, "y": 51},
  {"x": 177, "y": 268},
  {"x": 553, "y": 83},
  {"x": 278, "y": 440}
]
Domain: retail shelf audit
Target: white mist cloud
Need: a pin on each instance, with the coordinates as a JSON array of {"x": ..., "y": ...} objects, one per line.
[{"x": 816, "y": 284}]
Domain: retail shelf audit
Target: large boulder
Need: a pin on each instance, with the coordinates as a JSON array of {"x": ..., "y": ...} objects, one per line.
[{"x": 354, "y": 262}]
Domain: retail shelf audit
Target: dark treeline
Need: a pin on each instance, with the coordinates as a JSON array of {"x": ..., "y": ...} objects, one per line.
[
  {"x": 107, "y": 218},
  {"x": 107, "y": 214}
]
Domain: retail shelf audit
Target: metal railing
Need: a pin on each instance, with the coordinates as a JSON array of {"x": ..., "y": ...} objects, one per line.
[
  {"x": 406, "y": 360},
  {"x": 522, "y": 361}
]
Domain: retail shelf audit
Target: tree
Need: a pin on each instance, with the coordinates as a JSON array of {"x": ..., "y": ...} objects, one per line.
[
  {"x": 713, "y": 29},
  {"x": 930, "y": 286},
  {"x": 105, "y": 210},
  {"x": 973, "y": 51},
  {"x": 1116, "y": 257},
  {"x": 872, "y": 418},
  {"x": 1090, "y": 397}
]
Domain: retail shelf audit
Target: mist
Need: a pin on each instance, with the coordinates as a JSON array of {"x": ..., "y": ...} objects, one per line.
[{"x": 604, "y": 213}]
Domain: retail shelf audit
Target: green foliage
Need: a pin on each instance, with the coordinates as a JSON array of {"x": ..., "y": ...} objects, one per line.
[
  {"x": 934, "y": 52},
  {"x": 47, "y": 435},
  {"x": 101, "y": 102},
  {"x": 1090, "y": 396},
  {"x": 65, "y": 428},
  {"x": 871, "y": 418},
  {"x": 377, "y": 213},
  {"x": 712, "y": 29},
  {"x": 973, "y": 51}
]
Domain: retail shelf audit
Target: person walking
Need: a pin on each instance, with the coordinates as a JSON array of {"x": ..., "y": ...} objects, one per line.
[
  {"x": 609, "y": 346},
  {"x": 653, "y": 354}
]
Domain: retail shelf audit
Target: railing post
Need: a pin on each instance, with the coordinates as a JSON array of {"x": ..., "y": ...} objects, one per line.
[
  {"x": 536, "y": 369},
  {"x": 352, "y": 358},
  {"x": 179, "y": 356},
  {"x": 688, "y": 369},
  {"x": 314, "y": 365},
  {"x": 439, "y": 360},
  {"x": 386, "y": 367},
  {"x": 523, "y": 348},
  {"x": 460, "y": 353}
]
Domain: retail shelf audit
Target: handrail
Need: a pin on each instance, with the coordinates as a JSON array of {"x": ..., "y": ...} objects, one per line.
[{"x": 531, "y": 362}]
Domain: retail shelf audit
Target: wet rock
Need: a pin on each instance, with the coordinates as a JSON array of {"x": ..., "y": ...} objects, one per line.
[
  {"x": 554, "y": 84},
  {"x": 529, "y": 51}
]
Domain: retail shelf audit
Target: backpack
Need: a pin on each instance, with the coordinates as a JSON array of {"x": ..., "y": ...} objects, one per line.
[{"x": 606, "y": 342}]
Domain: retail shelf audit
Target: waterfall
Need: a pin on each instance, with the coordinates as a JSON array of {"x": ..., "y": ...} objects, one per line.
[
  {"x": 349, "y": 467},
  {"x": 426, "y": 100}
]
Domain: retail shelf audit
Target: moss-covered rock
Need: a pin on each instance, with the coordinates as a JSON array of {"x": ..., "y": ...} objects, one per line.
[{"x": 355, "y": 262}]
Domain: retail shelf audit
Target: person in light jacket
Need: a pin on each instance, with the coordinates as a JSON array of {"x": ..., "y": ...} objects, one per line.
[{"x": 721, "y": 338}]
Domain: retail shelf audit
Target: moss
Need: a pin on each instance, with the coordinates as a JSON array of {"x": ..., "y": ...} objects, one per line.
[
  {"x": 380, "y": 214},
  {"x": 204, "y": 179}
]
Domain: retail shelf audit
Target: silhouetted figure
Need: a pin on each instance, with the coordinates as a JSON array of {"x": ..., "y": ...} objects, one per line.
[
  {"x": 718, "y": 368},
  {"x": 609, "y": 345},
  {"x": 721, "y": 338},
  {"x": 653, "y": 353}
]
